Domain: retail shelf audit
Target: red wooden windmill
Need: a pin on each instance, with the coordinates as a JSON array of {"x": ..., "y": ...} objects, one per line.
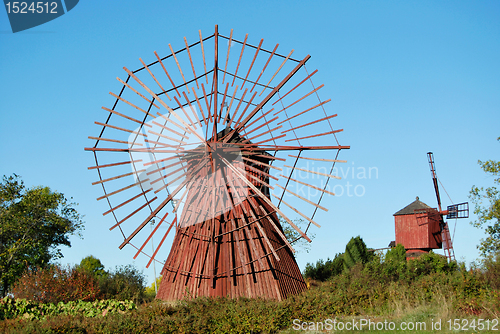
[
  {"x": 420, "y": 228},
  {"x": 200, "y": 159}
]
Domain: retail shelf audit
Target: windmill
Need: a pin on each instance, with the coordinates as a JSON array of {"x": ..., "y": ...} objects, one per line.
[
  {"x": 196, "y": 148},
  {"x": 420, "y": 228}
]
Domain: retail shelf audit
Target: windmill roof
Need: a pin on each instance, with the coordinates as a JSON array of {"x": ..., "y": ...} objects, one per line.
[{"x": 410, "y": 208}]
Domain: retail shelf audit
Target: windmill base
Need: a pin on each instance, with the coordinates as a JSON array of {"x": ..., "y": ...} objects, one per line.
[{"x": 236, "y": 264}]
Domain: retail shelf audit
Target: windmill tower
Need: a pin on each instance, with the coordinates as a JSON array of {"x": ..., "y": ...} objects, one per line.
[
  {"x": 420, "y": 228},
  {"x": 222, "y": 156}
]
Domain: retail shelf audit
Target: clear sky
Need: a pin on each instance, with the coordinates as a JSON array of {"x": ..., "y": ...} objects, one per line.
[{"x": 405, "y": 77}]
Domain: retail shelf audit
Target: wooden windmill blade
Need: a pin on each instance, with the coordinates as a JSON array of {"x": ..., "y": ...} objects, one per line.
[{"x": 220, "y": 140}]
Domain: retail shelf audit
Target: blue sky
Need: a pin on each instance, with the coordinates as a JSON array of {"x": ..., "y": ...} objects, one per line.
[{"x": 405, "y": 77}]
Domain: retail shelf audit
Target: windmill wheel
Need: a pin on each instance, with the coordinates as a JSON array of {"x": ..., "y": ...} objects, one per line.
[{"x": 220, "y": 142}]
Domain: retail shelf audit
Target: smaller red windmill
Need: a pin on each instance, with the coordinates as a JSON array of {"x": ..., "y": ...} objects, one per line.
[{"x": 420, "y": 228}]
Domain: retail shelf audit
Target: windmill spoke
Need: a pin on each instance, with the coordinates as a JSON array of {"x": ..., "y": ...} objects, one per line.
[
  {"x": 121, "y": 129},
  {"x": 230, "y": 105},
  {"x": 316, "y": 135},
  {"x": 253, "y": 61},
  {"x": 297, "y": 211},
  {"x": 265, "y": 66},
  {"x": 302, "y": 198},
  {"x": 126, "y": 117},
  {"x": 178, "y": 66},
  {"x": 303, "y": 112},
  {"x": 309, "y": 185},
  {"x": 154, "y": 78},
  {"x": 314, "y": 172},
  {"x": 238, "y": 106},
  {"x": 135, "y": 91},
  {"x": 199, "y": 106},
  {"x": 203, "y": 54},
  {"x": 277, "y": 71},
  {"x": 191, "y": 108},
  {"x": 151, "y": 235},
  {"x": 303, "y": 97},
  {"x": 127, "y": 201},
  {"x": 239, "y": 60},
  {"x": 115, "y": 164},
  {"x": 191, "y": 60},
  {"x": 166, "y": 72},
  {"x": 161, "y": 243},
  {"x": 114, "y": 140},
  {"x": 122, "y": 189},
  {"x": 223, "y": 101},
  {"x": 310, "y": 123},
  {"x": 291, "y": 90},
  {"x": 133, "y": 213}
]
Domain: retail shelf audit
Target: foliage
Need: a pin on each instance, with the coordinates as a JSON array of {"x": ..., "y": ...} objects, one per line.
[
  {"x": 125, "y": 283},
  {"x": 150, "y": 292},
  {"x": 33, "y": 224},
  {"x": 357, "y": 292},
  {"x": 13, "y": 308},
  {"x": 492, "y": 270},
  {"x": 294, "y": 237},
  {"x": 56, "y": 284},
  {"x": 92, "y": 265},
  {"x": 322, "y": 271},
  {"x": 488, "y": 215},
  {"x": 356, "y": 252}
]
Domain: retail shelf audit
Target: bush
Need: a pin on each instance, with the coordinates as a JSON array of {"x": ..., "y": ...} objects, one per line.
[
  {"x": 56, "y": 284},
  {"x": 125, "y": 283},
  {"x": 322, "y": 271}
]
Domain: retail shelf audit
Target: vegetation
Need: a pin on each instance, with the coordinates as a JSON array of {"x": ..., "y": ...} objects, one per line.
[
  {"x": 293, "y": 236},
  {"x": 14, "y": 308},
  {"x": 56, "y": 284},
  {"x": 488, "y": 214},
  {"x": 385, "y": 288},
  {"x": 33, "y": 224},
  {"x": 124, "y": 283},
  {"x": 150, "y": 291},
  {"x": 355, "y": 252}
]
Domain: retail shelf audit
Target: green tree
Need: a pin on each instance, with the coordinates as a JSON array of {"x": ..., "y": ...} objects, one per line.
[
  {"x": 487, "y": 209},
  {"x": 356, "y": 252},
  {"x": 33, "y": 224},
  {"x": 322, "y": 271},
  {"x": 92, "y": 265}
]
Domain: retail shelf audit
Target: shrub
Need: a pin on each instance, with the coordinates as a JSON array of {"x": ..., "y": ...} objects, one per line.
[
  {"x": 56, "y": 284},
  {"x": 322, "y": 271},
  {"x": 125, "y": 283}
]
